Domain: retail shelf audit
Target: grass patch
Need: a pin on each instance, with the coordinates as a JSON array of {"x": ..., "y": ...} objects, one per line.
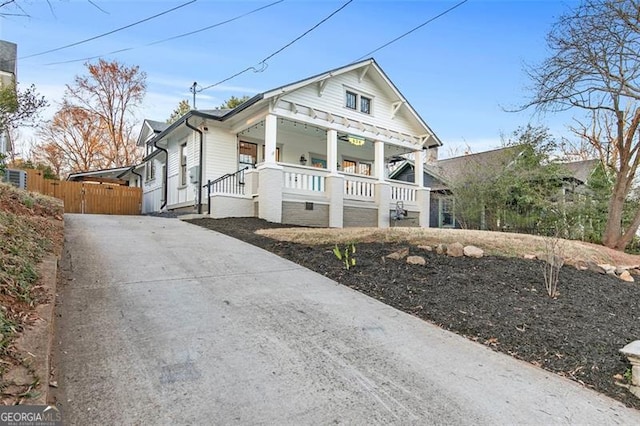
[
  {"x": 493, "y": 243},
  {"x": 29, "y": 229}
]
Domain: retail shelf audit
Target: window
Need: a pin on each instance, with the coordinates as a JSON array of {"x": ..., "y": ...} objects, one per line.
[
  {"x": 183, "y": 164},
  {"x": 248, "y": 154},
  {"x": 320, "y": 163},
  {"x": 365, "y": 105},
  {"x": 447, "y": 218},
  {"x": 364, "y": 169},
  {"x": 348, "y": 166},
  {"x": 151, "y": 170},
  {"x": 358, "y": 102},
  {"x": 352, "y": 100}
]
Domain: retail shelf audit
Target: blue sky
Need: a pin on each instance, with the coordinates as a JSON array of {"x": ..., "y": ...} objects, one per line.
[{"x": 458, "y": 71}]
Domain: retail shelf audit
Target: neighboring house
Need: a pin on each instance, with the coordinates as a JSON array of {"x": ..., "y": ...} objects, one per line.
[
  {"x": 8, "y": 71},
  {"x": 437, "y": 176},
  {"x": 314, "y": 152}
]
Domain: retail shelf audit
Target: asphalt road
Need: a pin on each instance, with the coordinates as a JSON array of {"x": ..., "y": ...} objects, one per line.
[{"x": 162, "y": 322}]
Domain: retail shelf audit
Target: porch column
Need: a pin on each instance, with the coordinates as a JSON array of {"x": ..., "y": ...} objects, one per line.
[
  {"x": 332, "y": 151},
  {"x": 270, "y": 177},
  {"x": 334, "y": 183},
  {"x": 270, "y": 137},
  {"x": 423, "y": 195},
  {"x": 378, "y": 161},
  {"x": 383, "y": 201},
  {"x": 419, "y": 167}
]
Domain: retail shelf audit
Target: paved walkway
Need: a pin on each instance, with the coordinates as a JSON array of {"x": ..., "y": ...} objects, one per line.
[{"x": 163, "y": 322}]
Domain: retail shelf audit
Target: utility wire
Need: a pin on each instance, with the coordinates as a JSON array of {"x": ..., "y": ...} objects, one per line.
[
  {"x": 368, "y": 55},
  {"x": 169, "y": 38},
  {"x": 263, "y": 64},
  {"x": 111, "y": 32}
]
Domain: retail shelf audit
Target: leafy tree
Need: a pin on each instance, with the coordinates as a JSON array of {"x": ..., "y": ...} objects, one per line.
[
  {"x": 233, "y": 102},
  {"x": 594, "y": 67},
  {"x": 47, "y": 171},
  {"x": 19, "y": 107},
  {"x": 182, "y": 108},
  {"x": 517, "y": 190}
]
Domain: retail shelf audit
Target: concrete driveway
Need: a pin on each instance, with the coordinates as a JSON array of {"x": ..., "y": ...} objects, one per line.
[{"x": 162, "y": 322}]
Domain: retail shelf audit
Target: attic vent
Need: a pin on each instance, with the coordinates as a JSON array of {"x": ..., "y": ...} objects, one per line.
[{"x": 16, "y": 178}]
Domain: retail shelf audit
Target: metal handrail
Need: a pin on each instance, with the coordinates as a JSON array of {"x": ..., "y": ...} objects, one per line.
[{"x": 230, "y": 183}]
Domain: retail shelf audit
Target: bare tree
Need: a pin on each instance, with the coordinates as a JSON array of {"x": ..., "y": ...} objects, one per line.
[
  {"x": 594, "y": 67},
  {"x": 73, "y": 141},
  {"x": 110, "y": 92}
]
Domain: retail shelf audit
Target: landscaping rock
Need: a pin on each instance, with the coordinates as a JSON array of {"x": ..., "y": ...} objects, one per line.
[
  {"x": 416, "y": 260},
  {"x": 455, "y": 250},
  {"x": 626, "y": 276},
  {"x": 400, "y": 254},
  {"x": 473, "y": 251},
  {"x": 593, "y": 267},
  {"x": 608, "y": 269},
  {"x": 426, "y": 248},
  {"x": 441, "y": 248},
  {"x": 621, "y": 269},
  {"x": 581, "y": 265},
  {"x": 530, "y": 257}
]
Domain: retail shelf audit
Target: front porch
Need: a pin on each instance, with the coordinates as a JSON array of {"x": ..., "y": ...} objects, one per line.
[{"x": 295, "y": 171}]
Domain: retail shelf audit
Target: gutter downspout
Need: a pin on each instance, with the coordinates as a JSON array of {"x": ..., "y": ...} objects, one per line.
[
  {"x": 139, "y": 176},
  {"x": 164, "y": 175},
  {"x": 186, "y": 122}
]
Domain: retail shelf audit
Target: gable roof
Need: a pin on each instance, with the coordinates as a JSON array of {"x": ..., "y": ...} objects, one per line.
[
  {"x": 581, "y": 170},
  {"x": 368, "y": 63},
  {"x": 150, "y": 127},
  {"x": 225, "y": 114},
  {"x": 450, "y": 169}
]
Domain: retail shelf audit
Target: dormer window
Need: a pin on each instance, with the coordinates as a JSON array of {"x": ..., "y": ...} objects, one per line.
[
  {"x": 365, "y": 105},
  {"x": 352, "y": 100},
  {"x": 358, "y": 102}
]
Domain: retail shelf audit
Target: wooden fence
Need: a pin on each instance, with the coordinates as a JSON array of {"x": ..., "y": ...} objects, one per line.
[{"x": 85, "y": 197}]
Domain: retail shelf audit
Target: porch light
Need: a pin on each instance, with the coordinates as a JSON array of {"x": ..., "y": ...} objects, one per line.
[{"x": 303, "y": 160}]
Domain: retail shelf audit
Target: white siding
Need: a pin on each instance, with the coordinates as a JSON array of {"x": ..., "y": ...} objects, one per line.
[
  {"x": 220, "y": 152},
  {"x": 333, "y": 100},
  {"x": 176, "y": 193}
]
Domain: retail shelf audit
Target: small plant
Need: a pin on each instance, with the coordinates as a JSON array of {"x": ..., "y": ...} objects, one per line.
[
  {"x": 553, "y": 261},
  {"x": 346, "y": 256},
  {"x": 627, "y": 375}
]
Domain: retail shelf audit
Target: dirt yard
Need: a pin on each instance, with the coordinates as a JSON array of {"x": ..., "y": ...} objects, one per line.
[{"x": 498, "y": 300}]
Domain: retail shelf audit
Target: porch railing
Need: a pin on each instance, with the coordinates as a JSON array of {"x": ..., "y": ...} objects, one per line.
[
  {"x": 359, "y": 187},
  {"x": 231, "y": 183},
  {"x": 304, "y": 179},
  {"x": 400, "y": 192}
]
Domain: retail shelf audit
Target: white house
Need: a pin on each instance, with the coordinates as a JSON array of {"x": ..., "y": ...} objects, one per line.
[{"x": 314, "y": 152}]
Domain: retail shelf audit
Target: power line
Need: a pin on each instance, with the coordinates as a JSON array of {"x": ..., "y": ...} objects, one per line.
[
  {"x": 368, "y": 55},
  {"x": 168, "y": 38},
  {"x": 263, "y": 64},
  {"x": 111, "y": 32}
]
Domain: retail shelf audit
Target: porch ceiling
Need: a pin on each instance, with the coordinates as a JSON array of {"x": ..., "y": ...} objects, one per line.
[{"x": 311, "y": 131}]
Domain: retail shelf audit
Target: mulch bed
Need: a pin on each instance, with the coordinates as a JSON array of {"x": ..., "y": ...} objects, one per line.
[{"x": 500, "y": 302}]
